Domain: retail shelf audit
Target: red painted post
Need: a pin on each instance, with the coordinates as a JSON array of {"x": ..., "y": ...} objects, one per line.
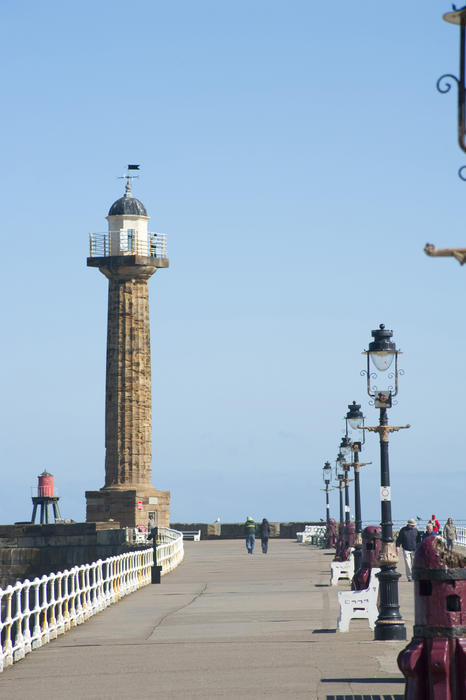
[
  {"x": 331, "y": 533},
  {"x": 371, "y": 546},
  {"x": 434, "y": 662}
]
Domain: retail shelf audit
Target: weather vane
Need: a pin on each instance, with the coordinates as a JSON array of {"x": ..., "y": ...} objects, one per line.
[{"x": 131, "y": 167}]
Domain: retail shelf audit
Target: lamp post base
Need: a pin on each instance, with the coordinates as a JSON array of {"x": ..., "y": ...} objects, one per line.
[
  {"x": 389, "y": 632},
  {"x": 389, "y": 625}
]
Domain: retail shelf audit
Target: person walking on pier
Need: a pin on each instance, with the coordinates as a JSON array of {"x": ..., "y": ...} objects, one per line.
[
  {"x": 435, "y": 525},
  {"x": 407, "y": 540},
  {"x": 449, "y": 533},
  {"x": 264, "y": 529},
  {"x": 250, "y": 532},
  {"x": 429, "y": 531}
]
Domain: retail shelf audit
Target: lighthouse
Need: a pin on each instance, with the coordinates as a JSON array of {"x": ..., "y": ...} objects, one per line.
[{"x": 128, "y": 254}]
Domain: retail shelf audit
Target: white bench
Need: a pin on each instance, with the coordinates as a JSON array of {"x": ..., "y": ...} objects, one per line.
[
  {"x": 359, "y": 604},
  {"x": 312, "y": 533},
  {"x": 342, "y": 569},
  {"x": 194, "y": 535}
]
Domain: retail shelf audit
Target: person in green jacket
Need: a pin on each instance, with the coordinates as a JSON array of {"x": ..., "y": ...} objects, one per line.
[{"x": 250, "y": 533}]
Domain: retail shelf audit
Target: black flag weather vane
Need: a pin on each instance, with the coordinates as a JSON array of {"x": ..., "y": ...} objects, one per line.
[{"x": 128, "y": 177}]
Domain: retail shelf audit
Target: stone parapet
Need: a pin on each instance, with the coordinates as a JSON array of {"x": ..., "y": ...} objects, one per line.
[
  {"x": 27, "y": 551},
  {"x": 232, "y": 531}
]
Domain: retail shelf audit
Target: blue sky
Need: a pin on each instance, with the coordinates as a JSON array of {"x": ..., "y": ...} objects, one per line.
[{"x": 299, "y": 157}]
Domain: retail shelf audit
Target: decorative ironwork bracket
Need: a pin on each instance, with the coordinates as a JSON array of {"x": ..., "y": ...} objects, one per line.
[
  {"x": 458, "y": 16},
  {"x": 457, "y": 253},
  {"x": 356, "y": 465},
  {"x": 384, "y": 430}
]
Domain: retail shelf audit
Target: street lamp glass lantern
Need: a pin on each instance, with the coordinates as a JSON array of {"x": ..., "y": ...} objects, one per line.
[
  {"x": 345, "y": 447},
  {"x": 327, "y": 471},
  {"x": 354, "y": 417},
  {"x": 382, "y": 350},
  {"x": 339, "y": 462}
]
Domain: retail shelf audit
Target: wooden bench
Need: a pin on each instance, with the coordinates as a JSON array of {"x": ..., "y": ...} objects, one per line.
[
  {"x": 359, "y": 604},
  {"x": 194, "y": 535}
]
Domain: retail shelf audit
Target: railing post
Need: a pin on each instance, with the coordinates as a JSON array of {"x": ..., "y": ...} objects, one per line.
[{"x": 156, "y": 572}]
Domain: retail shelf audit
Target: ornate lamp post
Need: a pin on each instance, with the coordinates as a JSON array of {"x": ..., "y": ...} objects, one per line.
[
  {"x": 443, "y": 85},
  {"x": 340, "y": 476},
  {"x": 354, "y": 419},
  {"x": 382, "y": 351},
  {"x": 341, "y": 485},
  {"x": 458, "y": 17},
  {"x": 343, "y": 458},
  {"x": 327, "y": 475}
]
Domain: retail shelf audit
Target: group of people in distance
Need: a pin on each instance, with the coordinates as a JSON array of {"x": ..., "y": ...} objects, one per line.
[
  {"x": 250, "y": 534},
  {"x": 409, "y": 537}
]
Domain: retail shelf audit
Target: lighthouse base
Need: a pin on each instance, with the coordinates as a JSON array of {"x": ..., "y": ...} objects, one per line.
[{"x": 129, "y": 507}]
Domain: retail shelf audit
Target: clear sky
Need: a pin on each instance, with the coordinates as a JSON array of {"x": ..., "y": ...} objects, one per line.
[{"x": 299, "y": 157}]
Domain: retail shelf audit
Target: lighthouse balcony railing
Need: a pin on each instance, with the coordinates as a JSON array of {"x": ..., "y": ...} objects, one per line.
[{"x": 127, "y": 242}]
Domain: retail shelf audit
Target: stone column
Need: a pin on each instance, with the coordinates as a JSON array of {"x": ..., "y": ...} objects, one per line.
[
  {"x": 128, "y": 409},
  {"x": 128, "y": 495}
]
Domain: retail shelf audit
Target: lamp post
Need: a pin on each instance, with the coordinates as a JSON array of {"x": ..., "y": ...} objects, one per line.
[
  {"x": 343, "y": 458},
  {"x": 354, "y": 418},
  {"x": 382, "y": 351},
  {"x": 327, "y": 474},
  {"x": 443, "y": 85},
  {"x": 340, "y": 476},
  {"x": 458, "y": 17}
]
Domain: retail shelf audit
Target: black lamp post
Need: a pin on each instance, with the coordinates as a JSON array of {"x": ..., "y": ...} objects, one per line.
[
  {"x": 458, "y": 17},
  {"x": 382, "y": 351},
  {"x": 340, "y": 476},
  {"x": 354, "y": 418},
  {"x": 327, "y": 474},
  {"x": 343, "y": 458}
]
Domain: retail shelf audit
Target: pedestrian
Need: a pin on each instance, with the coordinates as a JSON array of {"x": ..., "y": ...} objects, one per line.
[
  {"x": 428, "y": 533},
  {"x": 435, "y": 525},
  {"x": 407, "y": 540},
  {"x": 264, "y": 529},
  {"x": 250, "y": 533},
  {"x": 449, "y": 533}
]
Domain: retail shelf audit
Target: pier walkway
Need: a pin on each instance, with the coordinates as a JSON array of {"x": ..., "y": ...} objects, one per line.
[{"x": 223, "y": 625}]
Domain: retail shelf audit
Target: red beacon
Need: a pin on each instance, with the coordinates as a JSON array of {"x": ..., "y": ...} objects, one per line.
[{"x": 45, "y": 497}]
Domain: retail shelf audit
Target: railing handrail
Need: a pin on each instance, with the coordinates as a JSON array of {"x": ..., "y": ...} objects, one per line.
[
  {"x": 34, "y": 612},
  {"x": 128, "y": 241}
]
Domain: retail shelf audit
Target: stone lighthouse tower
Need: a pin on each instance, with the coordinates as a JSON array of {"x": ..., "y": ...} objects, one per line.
[{"x": 128, "y": 255}]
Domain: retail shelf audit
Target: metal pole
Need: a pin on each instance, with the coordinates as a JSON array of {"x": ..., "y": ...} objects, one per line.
[
  {"x": 347, "y": 508},
  {"x": 340, "y": 487},
  {"x": 327, "y": 506},
  {"x": 390, "y": 624},
  {"x": 357, "y": 554}
]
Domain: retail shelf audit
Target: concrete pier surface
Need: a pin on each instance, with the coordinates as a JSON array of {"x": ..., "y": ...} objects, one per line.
[{"x": 225, "y": 624}]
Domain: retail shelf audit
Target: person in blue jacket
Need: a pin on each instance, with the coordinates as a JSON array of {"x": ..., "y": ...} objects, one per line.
[{"x": 264, "y": 529}]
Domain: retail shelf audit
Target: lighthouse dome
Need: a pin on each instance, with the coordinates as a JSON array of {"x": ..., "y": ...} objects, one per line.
[{"x": 127, "y": 205}]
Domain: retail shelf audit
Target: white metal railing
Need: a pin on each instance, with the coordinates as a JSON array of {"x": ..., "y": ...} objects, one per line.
[
  {"x": 170, "y": 547},
  {"x": 170, "y": 550},
  {"x": 127, "y": 242},
  {"x": 34, "y": 612},
  {"x": 460, "y": 536}
]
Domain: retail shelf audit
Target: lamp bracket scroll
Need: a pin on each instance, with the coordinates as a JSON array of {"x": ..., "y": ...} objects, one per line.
[
  {"x": 458, "y": 16},
  {"x": 457, "y": 253},
  {"x": 384, "y": 430}
]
